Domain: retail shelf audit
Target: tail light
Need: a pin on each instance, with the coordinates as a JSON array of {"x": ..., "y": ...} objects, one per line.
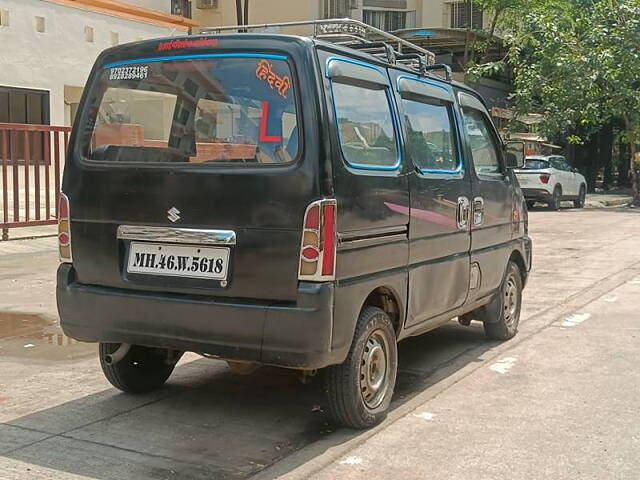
[
  {"x": 544, "y": 178},
  {"x": 318, "y": 248},
  {"x": 64, "y": 230}
]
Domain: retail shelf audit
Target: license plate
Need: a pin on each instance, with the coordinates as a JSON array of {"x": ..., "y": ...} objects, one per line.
[{"x": 209, "y": 263}]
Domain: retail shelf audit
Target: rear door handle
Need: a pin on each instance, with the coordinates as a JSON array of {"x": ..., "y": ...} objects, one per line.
[
  {"x": 478, "y": 211},
  {"x": 462, "y": 213}
]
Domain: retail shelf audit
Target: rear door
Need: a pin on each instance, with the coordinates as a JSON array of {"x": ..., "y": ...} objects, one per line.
[
  {"x": 492, "y": 220},
  {"x": 571, "y": 181},
  {"x": 440, "y": 190},
  {"x": 189, "y": 173}
]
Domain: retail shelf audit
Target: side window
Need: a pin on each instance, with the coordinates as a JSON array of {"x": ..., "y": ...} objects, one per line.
[
  {"x": 484, "y": 148},
  {"x": 365, "y": 126},
  {"x": 430, "y": 139},
  {"x": 556, "y": 163}
]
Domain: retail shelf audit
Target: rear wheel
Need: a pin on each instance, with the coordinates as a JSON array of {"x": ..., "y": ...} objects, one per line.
[
  {"x": 504, "y": 313},
  {"x": 579, "y": 203},
  {"x": 554, "y": 203},
  {"x": 359, "y": 390},
  {"x": 140, "y": 370}
]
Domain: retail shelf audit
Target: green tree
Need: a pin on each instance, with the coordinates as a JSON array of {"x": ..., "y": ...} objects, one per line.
[{"x": 578, "y": 63}]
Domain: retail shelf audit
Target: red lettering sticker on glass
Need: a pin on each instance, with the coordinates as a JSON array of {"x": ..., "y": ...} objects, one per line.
[{"x": 265, "y": 72}]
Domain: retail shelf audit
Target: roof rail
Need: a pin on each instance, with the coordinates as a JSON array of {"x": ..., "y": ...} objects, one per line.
[{"x": 353, "y": 34}]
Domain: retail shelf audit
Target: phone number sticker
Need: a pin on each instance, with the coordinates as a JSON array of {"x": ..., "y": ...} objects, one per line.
[{"x": 129, "y": 73}]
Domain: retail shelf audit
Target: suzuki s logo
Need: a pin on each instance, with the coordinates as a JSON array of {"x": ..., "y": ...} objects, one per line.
[{"x": 173, "y": 214}]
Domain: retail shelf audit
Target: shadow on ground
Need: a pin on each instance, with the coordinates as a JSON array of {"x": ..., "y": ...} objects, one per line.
[{"x": 210, "y": 423}]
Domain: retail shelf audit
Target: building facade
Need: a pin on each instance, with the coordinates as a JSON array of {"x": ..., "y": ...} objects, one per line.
[
  {"x": 384, "y": 14},
  {"x": 49, "y": 46}
]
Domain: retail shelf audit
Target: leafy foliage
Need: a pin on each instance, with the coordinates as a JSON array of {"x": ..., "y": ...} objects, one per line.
[{"x": 578, "y": 63}]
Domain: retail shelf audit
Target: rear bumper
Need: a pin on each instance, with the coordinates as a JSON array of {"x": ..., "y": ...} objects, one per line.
[
  {"x": 295, "y": 336},
  {"x": 536, "y": 194}
]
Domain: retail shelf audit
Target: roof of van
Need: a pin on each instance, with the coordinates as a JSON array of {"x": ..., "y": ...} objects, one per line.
[{"x": 199, "y": 41}]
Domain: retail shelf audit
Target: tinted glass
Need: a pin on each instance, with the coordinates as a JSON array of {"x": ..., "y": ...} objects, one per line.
[
  {"x": 209, "y": 111},
  {"x": 483, "y": 143},
  {"x": 535, "y": 164},
  {"x": 365, "y": 125},
  {"x": 430, "y": 140}
]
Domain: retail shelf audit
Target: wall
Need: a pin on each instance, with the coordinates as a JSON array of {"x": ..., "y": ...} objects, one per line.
[
  {"x": 60, "y": 56},
  {"x": 260, "y": 11},
  {"x": 161, "y": 5}
]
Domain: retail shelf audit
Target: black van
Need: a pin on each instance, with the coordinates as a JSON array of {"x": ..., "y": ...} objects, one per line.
[{"x": 282, "y": 200}]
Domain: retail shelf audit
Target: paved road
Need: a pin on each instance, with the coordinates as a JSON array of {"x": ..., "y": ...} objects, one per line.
[{"x": 559, "y": 401}]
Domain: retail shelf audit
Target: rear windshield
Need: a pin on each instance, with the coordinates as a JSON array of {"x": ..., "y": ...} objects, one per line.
[
  {"x": 535, "y": 164},
  {"x": 199, "y": 111}
]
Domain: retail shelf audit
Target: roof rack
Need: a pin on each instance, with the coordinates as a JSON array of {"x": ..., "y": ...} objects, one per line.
[{"x": 352, "y": 34}]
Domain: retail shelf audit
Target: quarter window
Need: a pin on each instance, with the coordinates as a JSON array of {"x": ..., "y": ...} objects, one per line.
[
  {"x": 365, "y": 125},
  {"x": 430, "y": 140},
  {"x": 484, "y": 150}
]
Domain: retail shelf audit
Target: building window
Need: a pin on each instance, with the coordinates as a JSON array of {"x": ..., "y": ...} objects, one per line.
[
  {"x": 337, "y": 8},
  {"x": 115, "y": 39},
  {"x": 181, "y": 8},
  {"x": 22, "y": 105},
  {"x": 389, "y": 20},
  {"x": 40, "y": 25},
  {"x": 4, "y": 17},
  {"x": 88, "y": 34},
  {"x": 465, "y": 15}
]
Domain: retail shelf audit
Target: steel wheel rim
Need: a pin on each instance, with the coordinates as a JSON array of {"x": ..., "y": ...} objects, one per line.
[
  {"x": 511, "y": 301},
  {"x": 374, "y": 369}
]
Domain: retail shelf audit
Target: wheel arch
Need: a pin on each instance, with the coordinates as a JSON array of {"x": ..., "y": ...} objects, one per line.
[
  {"x": 386, "y": 299},
  {"x": 518, "y": 258}
]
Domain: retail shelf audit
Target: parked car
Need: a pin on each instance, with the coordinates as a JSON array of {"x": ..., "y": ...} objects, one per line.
[
  {"x": 273, "y": 199},
  {"x": 550, "y": 179}
]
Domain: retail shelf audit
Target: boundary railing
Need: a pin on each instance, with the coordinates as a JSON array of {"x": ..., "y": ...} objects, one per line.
[{"x": 31, "y": 159}]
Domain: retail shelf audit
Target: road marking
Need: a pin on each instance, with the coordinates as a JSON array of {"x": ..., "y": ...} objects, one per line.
[
  {"x": 503, "y": 365},
  {"x": 425, "y": 415},
  {"x": 29, "y": 345},
  {"x": 634, "y": 282},
  {"x": 610, "y": 299},
  {"x": 351, "y": 461},
  {"x": 575, "y": 319}
]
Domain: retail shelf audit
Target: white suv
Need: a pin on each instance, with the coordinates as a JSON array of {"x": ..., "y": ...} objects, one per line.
[{"x": 551, "y": 179}]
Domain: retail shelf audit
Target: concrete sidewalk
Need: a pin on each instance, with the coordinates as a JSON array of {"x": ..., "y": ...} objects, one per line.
[
  {"x": 560, "y": 404},
  {"x": 600, "y": 200}
]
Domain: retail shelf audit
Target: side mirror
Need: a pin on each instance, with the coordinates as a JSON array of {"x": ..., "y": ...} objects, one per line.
[{"x": 514, "y": 154}]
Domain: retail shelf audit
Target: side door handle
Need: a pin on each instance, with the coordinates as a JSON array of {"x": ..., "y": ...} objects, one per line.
[
  {"x": 478, "y": 211},
  {"x": 463, "y": 212}
]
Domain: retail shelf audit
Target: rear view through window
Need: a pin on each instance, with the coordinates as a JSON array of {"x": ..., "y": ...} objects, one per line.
[
  {"x": 199, "y": 111},
  {"x": 532, "y": 164}
]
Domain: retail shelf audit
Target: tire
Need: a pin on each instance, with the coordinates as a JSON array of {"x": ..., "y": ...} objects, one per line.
[
  {"x": 504, "y": 313},
  {"x": 141, "y": 370},
  {"x": 554, "y": 203},
  {"x": 530, "y": 204},
  {"x": 359, "y": 390},
  {"x": 579, "y": 203}
]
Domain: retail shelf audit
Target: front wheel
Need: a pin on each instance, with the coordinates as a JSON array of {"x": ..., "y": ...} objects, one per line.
[
  {"x": 502, "y": 322},
  {"x": 579, "y": 203},
  {"x": 359, "y": 390},
  {"x": 136, "y": 369}
]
